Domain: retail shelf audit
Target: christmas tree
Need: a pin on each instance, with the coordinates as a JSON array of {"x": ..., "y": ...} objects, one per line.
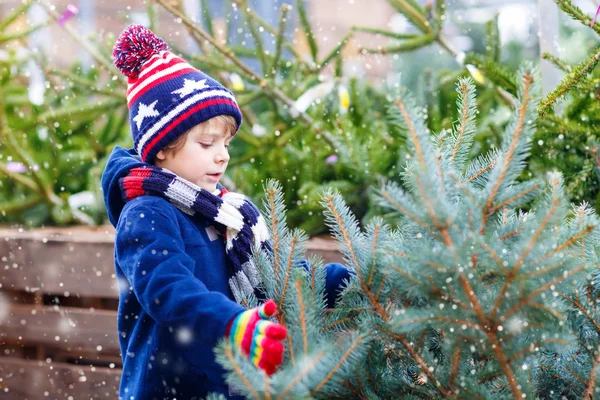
[{"x": 461, "y": 299}]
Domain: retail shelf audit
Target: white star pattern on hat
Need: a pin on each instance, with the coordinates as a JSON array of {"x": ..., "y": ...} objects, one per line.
[
  {"x": 189, "y": 86},
  {"x": 145, "y": 111}
]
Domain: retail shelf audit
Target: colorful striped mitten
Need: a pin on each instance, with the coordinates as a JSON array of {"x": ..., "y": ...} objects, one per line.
[{"x": 259, "y": 338}]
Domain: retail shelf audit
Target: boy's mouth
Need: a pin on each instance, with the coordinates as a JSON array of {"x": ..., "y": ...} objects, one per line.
[{"x": 216, "y": 176}]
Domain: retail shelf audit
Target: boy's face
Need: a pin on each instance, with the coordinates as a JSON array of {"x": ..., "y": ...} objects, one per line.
[{"x": 204, "y": 156}]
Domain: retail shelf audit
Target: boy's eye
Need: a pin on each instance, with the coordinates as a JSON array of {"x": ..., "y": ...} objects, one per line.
[{"x": 206, "y": 145}]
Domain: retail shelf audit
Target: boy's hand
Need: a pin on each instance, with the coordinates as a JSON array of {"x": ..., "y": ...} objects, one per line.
[{"x": 259, "y": 338}]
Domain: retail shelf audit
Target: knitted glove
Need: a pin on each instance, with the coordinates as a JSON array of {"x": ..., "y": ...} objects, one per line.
[{"x": 259, "y": 338}]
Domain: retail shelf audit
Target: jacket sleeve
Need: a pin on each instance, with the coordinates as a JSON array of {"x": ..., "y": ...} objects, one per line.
[
  {"x": 151, "y": 253},
  {"x": 336, "y": 275}
]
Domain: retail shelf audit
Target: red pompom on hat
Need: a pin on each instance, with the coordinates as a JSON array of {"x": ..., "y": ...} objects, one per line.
[{"x": 134, "y": 47}]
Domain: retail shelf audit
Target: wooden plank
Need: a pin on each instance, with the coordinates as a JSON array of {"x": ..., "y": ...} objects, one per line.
[
  {"x": 78, "y": 261},
  {"x": 33, "y": 380},
  {"x": 70, "y": 328},
  {"x": 58, "y": 267}
]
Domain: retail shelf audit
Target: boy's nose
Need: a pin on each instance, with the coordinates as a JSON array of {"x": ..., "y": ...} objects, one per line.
[{"x": 222, "y": 155}]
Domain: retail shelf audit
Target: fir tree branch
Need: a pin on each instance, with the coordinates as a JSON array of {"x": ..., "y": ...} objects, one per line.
[
  {"x": 260, "y": 49},
  {"x": 525, "y": 300},
  {"x": 310, "y": 37},
  {"x": 522, "y": 111},
  {"x": 590, "y": 385},
  {"x": 270, "y": 29},
  {"x": 288, "y": 270},
  {"x": 267, "y": 387},
  {"x": 337, "y": 366},
  {"x": 302, "y": 316},
  {"x": 22, "y": 34},
  {"x": 494, "y": 256},
  {"x": 413, "y": 12},
  {"x": 19, "y": 204},
  {"x": 491, "y": 334},
  {"x": 543, "y": 271},
  {"x": 404, "y": 211},
  {"x": 102, "y": 61},
  {"x": 584, "y": 311},
  {"x": 342, "y": 227},
  {"x": 513, "y": 273},
  {"x": 374, "y": 253},
  {"x": 483, "y": 170},
  {"x": 442, "y": 319},
  {"x": 301, "y": 375},
  {"x": 381, "y": 285},
  {"x": 558, "y": 63},
  {"x": 335, "y": 52},
  {"x": 576, "y": 13},
  {"x": 511, "y": 234},
  {"x": 419, "y": 360},
  {"x": 530, "y": 348},
  {"x": 437, "y": 266},
  {"x": 513, "y": 198},
  {"x": 383, "y": 32},
  {"x": 239, "y": 373},
  {"x": 570, "y": 81},
  {"x": 406, "y": 45},
  {"x": 566, "y": 244},
  {"x": 285, "y": 9},
  {"x": 274, "y": 221},
  {"x": 454, "y": 368},
  {"x": 465, "y": 113},
  {"x": 23, "y": 180},
  {"x": 264, "y": 84},
  {"x": 17, "y": 12}
]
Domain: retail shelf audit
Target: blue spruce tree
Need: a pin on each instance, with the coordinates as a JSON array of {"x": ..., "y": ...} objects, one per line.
[{"x": 485, "y": 286}]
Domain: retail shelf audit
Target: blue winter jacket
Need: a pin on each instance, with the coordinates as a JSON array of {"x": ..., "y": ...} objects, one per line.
[{"x": 175, "y": 301}]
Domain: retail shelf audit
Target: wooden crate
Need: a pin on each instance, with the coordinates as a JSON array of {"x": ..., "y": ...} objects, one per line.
[{"x": 58, "y": 312}]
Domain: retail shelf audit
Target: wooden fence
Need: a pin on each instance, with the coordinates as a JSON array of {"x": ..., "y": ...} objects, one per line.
[{"x": 58, "y": 313}]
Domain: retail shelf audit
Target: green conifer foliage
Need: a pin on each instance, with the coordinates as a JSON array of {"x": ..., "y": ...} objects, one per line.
[{"x": 466, "y": 297}]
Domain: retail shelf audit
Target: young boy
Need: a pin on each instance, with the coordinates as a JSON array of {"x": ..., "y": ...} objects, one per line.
[{"x": 182, "y": 241}]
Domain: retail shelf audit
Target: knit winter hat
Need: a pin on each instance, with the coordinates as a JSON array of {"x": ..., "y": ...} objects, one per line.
[{"x": 166, "y": 96}]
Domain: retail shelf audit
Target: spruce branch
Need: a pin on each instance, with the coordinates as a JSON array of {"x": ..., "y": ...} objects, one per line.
[
  {"x": 419, "y": 360},
  {"x": 329, "y": 202},
  {"x": 239, "y": 373},
  {"x": 374, "y": 253},
  {"x": 302, "y": 316},
  {"x": 288, "y": 271},
  {"x": 335, "y": 52},
  {"x": 23, "y": 180},
  {"x": 258, "y": 41},
  {"x": 263, "y": 83},
  {"x": 413, "y": 12},
  {"x": 526, "y": 299},
  {"x": 17, "y": 13},
  {"x": 576, "y": 13},
  {"x": 285, "y": 9},
  {"x": 492, "y": 337},
  {"x": 528, "y": 80},
  {"x": 306, "y": 27},
  {"x": 569, "y": 82},
  {"x": 307, "y": 368},
  {"x": 558, "y": 63},
  {"x": 513, "y": 273},
  {"x": 270, "y": 29},
  {"x": 97, "y": 55},
  {"x": 334, "y": 370},
  {"x": 590, "y": 385},
  {"x": 383, "y": 32}
]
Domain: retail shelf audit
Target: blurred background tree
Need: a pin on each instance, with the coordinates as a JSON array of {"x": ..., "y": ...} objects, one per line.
[{"x": 312, "y": 88}]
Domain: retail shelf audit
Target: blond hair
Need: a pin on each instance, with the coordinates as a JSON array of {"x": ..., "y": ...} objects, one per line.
[{"x": 178, "y": 143}]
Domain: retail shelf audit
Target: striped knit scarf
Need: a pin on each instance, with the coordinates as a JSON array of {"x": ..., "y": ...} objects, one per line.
[{"x": 243, "y": 224}]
